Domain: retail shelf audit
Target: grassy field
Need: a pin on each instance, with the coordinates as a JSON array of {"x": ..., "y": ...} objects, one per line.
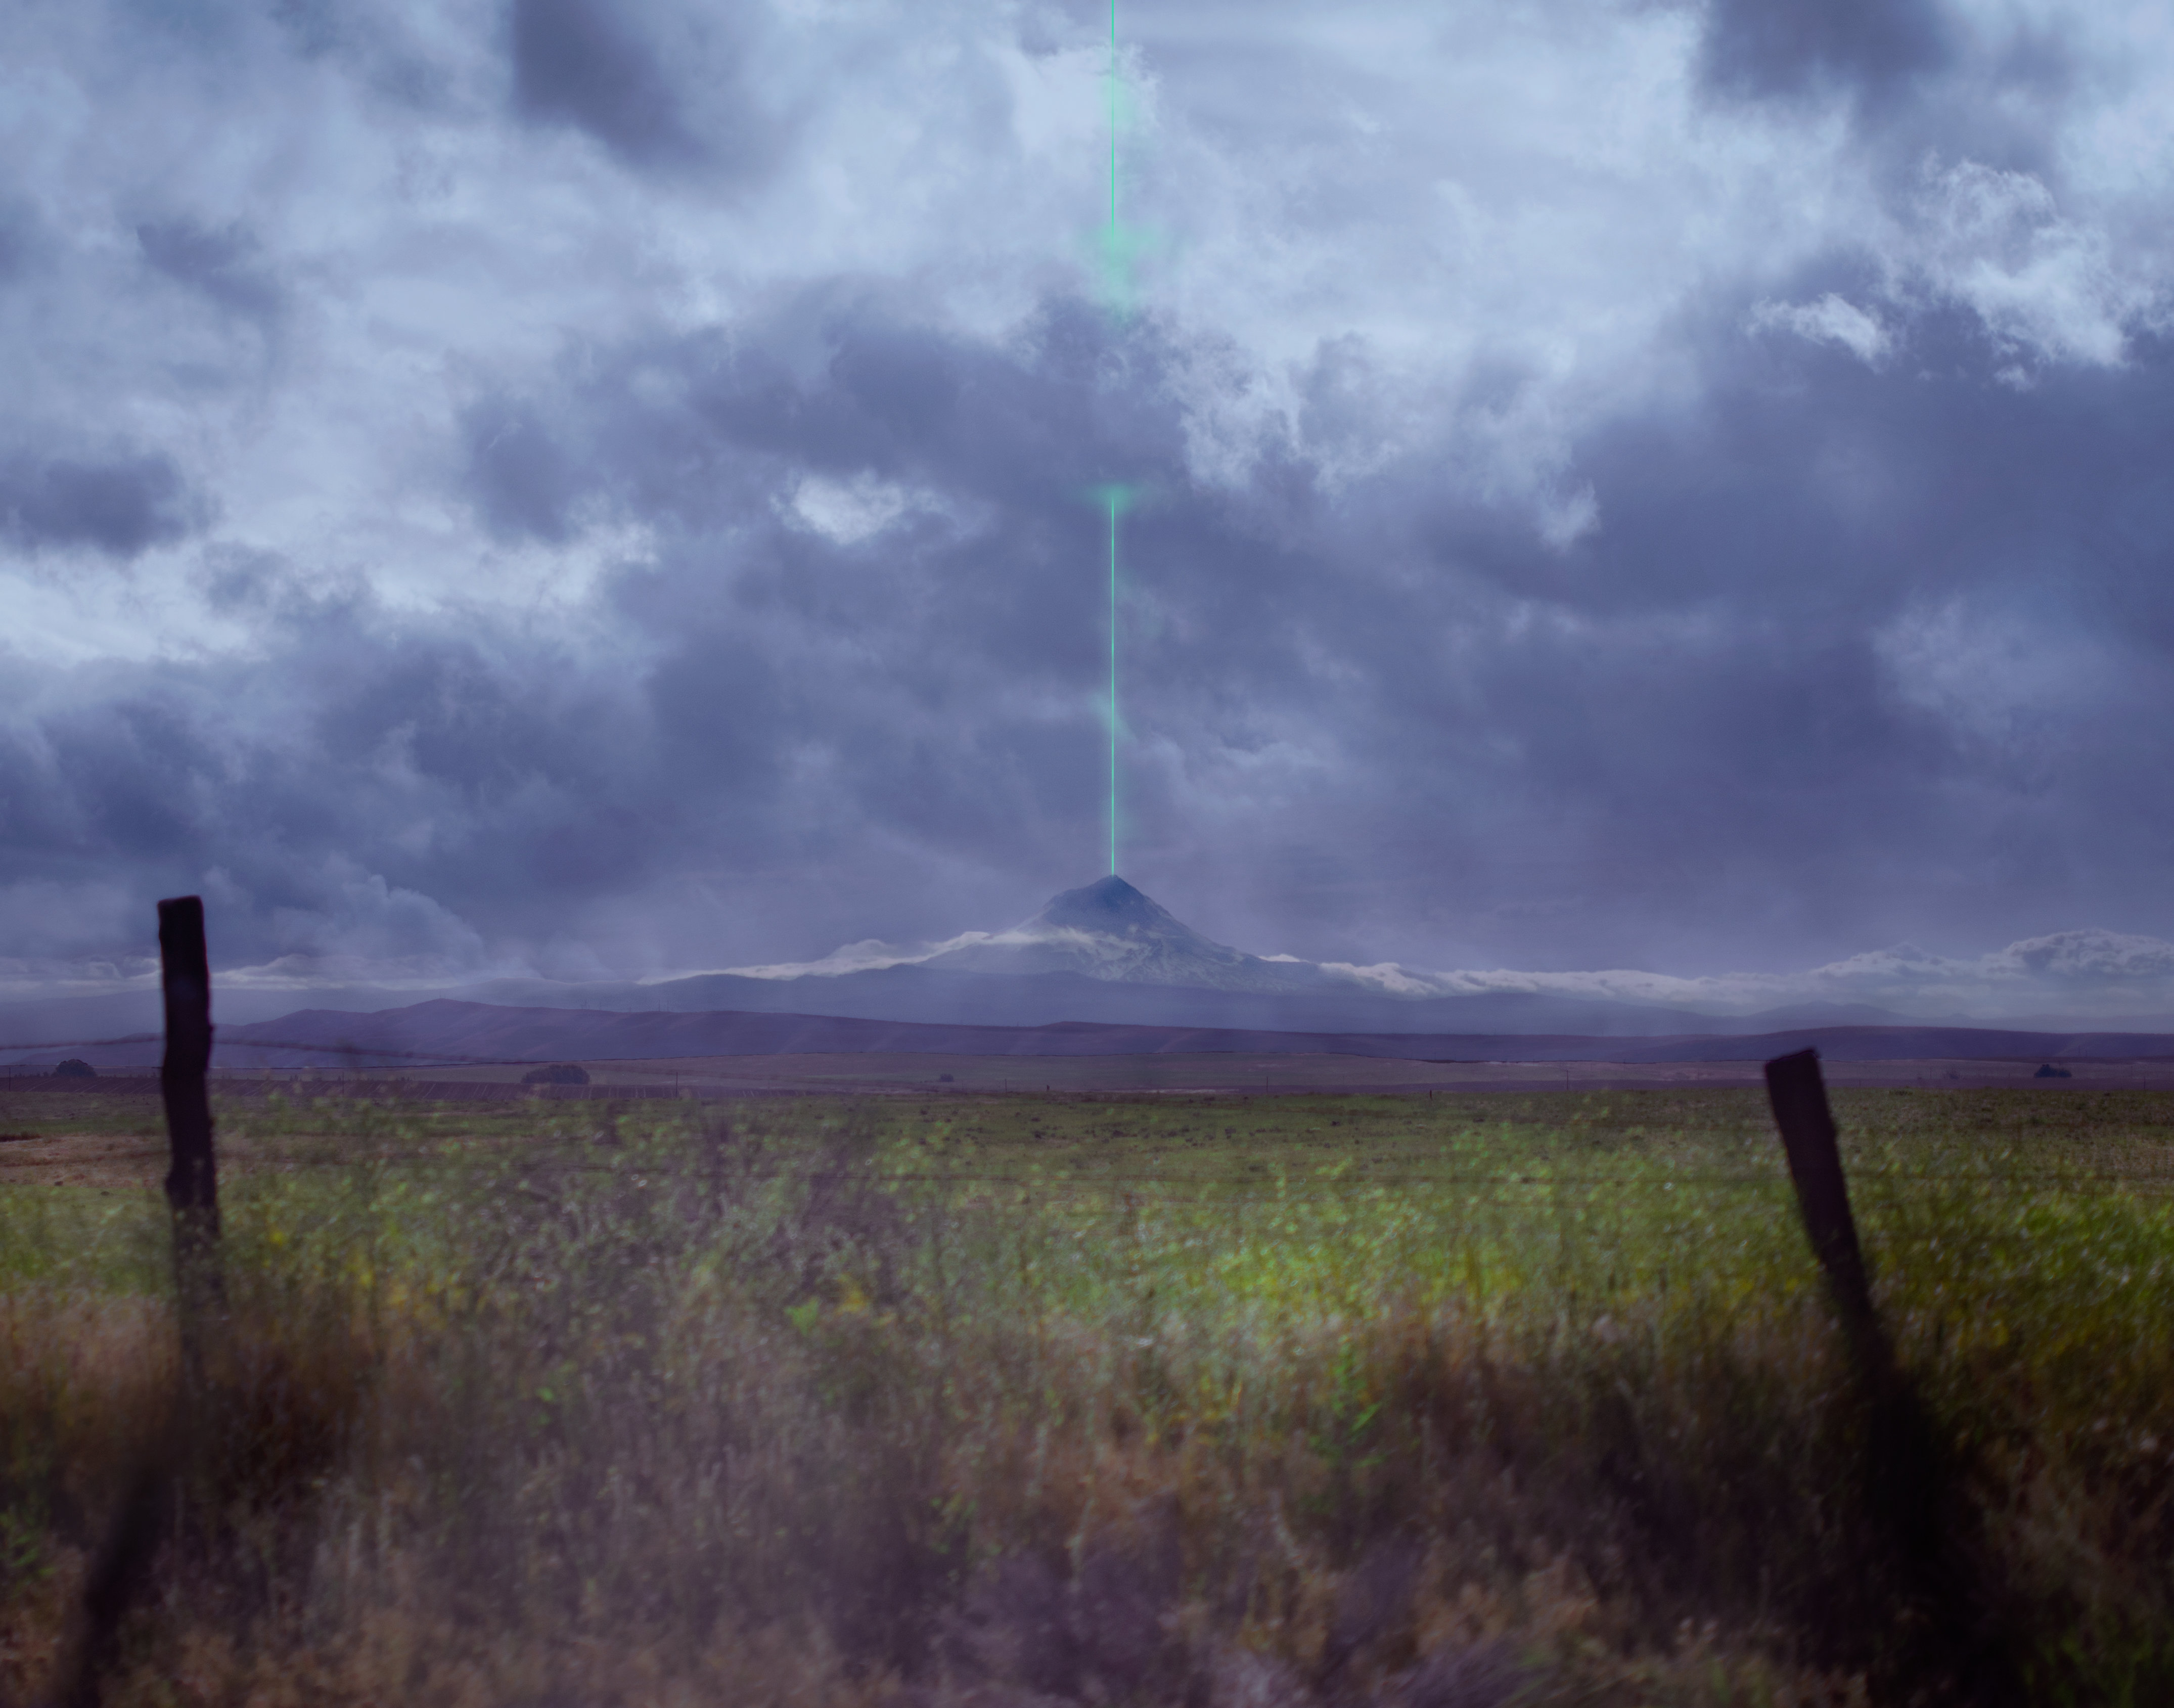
[
  {"x": 1435, "y": 1403},
  {"x": 1221, "y": 1072}
]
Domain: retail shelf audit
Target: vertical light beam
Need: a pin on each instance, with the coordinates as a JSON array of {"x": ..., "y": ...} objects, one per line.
[
  {"x": 1113, "y": 681},
  {"x": 1113, "y": 494},
  {"x": 1113, "y": 125}
]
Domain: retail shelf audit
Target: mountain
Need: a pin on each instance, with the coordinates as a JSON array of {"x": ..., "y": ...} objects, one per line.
[
  {"x": 993, "y": 998},
  {"x": 1106, "y": 953},
  {"x": 1109, "y": 930},
  {"x": 1101, "y": 955},
  {"x": 924, "y": 994}
]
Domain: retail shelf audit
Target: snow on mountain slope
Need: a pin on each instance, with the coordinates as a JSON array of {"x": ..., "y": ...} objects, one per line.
[
  {"x": 1106, "y": 953},
  {"x": 1108, "y": 930}
]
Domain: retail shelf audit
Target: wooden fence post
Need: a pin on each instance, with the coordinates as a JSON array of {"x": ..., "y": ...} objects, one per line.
[
  {"x": 120, "y": 1573},
  {"x": 1799, "y": 1097},
  {"x": 1912, "y": 1484},
  {"x": 192, "y": 1177}
]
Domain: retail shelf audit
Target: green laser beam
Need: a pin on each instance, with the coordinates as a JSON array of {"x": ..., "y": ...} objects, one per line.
[
  {"x": 1113, "y": 124},
  {"x": 1113, "y": 684},
  {"x": 1119, "y": 247},
  {"x": 1116, "y": 497},
  {"x": 1112, "y": 492}
]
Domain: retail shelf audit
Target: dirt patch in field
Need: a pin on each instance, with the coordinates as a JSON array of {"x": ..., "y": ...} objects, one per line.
[{"x": 105, "y": 1162}]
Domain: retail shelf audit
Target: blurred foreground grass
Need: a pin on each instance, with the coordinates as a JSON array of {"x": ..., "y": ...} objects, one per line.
[{"x": 1476, "y": 1401}]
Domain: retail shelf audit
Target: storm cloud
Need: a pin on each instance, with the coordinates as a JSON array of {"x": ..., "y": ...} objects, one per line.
[
  {"x": 117, "y": 505},
  {"x": 1764, "y": 48},
  {"x": 604, "y": 489}
]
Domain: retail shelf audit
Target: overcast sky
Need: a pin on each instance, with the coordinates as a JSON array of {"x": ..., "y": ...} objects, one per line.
[{"x": 604, "y": 486}]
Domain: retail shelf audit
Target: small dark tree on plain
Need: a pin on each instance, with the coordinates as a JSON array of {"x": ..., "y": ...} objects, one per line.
[
  {"x": 75, "y": 1067},
  {"x": 557, "y": 1073}
]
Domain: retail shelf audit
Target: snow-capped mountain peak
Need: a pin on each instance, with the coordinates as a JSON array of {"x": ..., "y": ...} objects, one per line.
[
  {"x": 1113, "y": 906},
  {"x": 1108, "y": 930}
]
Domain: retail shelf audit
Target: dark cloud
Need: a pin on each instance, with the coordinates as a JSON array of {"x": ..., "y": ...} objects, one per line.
[
  {"x": 200, "y": 24},
  {"x": 21, "y": 237},
  {"x": 1700, "y": 729},
  {"x": 1728, "y": 554},
  {"x": 121, "y": 505},
  {"x": 226, "y": 263},
  {"x": 1815, "y": 675},
  {"x": 520, "y": 479},
  {"x": 315, "y": 26},
  {"x": 1712, "y": 684},
  {"x": 1761, "y": 48},
  {"x": 587, "y": 63},
  {"x": 391, "y": 54},
  {"x": 1824, "y": 660},
  {"x": 401, "y": 731}
]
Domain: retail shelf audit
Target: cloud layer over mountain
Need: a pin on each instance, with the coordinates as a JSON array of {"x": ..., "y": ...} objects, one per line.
[
  {"x": 603, "y": 490},
  {"x": 2064, "y": 977}
]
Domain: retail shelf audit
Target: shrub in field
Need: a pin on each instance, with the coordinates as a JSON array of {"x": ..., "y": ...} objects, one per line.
[{"x": 556, "y": 1073}]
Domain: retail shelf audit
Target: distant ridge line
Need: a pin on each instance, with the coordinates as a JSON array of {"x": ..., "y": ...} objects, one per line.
[{"x": 480, "y": 1030}]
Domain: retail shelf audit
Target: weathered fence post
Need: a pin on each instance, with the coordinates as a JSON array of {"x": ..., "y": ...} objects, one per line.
[
  {"x": 193, "y": 1176},
  {"x": 1910, "y": 1483},
  {"x": 1799, "y": 1096},
  {"x": 120, "y": 1573}
]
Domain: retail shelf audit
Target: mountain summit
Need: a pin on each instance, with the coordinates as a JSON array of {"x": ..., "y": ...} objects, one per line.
[
  {"x": 1108, "y": 930},
  {"x": 1113, "y": 905}
]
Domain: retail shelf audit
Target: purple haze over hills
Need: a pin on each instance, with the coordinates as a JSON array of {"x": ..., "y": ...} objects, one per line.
[
  {"x": 478, "y": 1030},
  {"x": 1101, "y": 970}
]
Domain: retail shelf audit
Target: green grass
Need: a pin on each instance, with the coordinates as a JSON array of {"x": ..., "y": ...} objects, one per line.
[{"x": 1283, "y": 1400}]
